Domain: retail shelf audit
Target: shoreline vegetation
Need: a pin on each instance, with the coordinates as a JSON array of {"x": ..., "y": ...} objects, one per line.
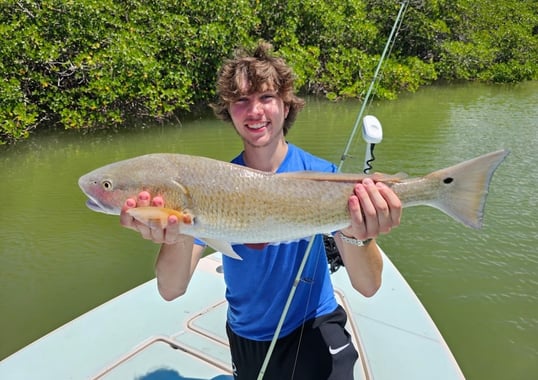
[{"x": 88, "y": 64}]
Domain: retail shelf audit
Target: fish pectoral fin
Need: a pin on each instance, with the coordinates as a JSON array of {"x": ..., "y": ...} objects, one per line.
[
  {"x": 158, "y": 216},
  {"x": 222, "y": 246}
]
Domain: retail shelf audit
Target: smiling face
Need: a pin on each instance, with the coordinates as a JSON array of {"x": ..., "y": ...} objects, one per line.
[
  {"x": 259, "y": 117},
  {"x": 252, "y": 73}
]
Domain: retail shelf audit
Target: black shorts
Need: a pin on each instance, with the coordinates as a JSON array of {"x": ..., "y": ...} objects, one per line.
[{"x": 319, "y": 350}]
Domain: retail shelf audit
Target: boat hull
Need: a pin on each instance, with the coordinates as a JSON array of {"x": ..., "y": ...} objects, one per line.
[{"x": 139, "y": 335}]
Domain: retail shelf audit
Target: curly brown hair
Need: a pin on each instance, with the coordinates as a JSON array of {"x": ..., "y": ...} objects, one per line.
[{"x": 261, "y": 70}]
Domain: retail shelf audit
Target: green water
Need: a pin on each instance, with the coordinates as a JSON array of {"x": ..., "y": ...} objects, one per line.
[{"x": 58, "y": 259}]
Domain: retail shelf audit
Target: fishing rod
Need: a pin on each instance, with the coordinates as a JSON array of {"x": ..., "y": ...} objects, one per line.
[
  {"x": 395, "y": 27},
  {"x": 285, "y": 311},
  {"x": 372, "y": 134}
]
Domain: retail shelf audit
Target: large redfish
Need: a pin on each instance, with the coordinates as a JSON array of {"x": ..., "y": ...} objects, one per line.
[{"x": 222, "y": 203}]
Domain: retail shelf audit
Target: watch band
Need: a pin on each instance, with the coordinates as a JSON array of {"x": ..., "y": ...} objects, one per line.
[{"x": 353, "y": 241}]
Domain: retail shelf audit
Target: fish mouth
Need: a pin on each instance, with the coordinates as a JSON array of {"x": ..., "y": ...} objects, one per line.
[
  {"x": 93, "y": 205},
  {"x": 85, "y": 183}
]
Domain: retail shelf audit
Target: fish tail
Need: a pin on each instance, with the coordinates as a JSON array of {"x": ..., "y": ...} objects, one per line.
[{"x": 464, "y": 187}]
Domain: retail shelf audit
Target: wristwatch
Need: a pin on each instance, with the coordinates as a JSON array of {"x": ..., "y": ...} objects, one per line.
[{"x": 353, "y": 241}]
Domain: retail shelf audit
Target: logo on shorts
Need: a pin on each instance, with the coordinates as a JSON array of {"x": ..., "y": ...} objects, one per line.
[
  {"x": 234, "y": 369},
  {"x": 334, "y": 351}
]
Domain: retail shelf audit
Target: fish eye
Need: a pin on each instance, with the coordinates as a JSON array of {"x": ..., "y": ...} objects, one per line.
[{"x": 107, "y": 184}]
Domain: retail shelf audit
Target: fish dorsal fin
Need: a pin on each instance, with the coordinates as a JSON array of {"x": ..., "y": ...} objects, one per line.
[
  {"x": 342, "y": 177},
  {"x": 381, "y": 177}
]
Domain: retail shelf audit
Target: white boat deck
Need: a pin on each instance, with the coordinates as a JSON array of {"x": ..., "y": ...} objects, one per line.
[{"x": 140, "y": 336}]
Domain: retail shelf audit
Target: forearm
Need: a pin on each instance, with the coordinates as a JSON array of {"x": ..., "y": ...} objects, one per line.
[
  {"x": 374, "y": 209},
  {"x": 364, "y": 265},
  {"x": 175, "y": 265}
]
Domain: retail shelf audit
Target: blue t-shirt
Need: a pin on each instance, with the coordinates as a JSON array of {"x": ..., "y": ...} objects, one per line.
[{"x": 258, "y": 286}]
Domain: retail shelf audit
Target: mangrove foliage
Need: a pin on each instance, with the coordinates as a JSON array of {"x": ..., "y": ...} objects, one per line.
[{"x": 94, "y": 63}]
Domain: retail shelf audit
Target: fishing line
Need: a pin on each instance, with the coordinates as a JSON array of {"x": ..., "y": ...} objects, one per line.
[{"x": 396, "y": 25}]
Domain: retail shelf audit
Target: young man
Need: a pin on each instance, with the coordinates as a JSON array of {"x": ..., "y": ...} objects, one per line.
[{"x": 256, "y": 94}]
